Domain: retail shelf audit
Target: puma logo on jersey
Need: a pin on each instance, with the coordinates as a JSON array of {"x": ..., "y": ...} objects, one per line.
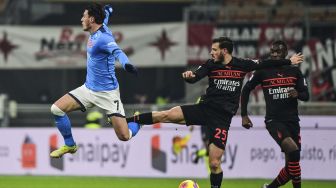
[
  {"x": 228, "y": 67},
  {"x": 280, "y": 75}
]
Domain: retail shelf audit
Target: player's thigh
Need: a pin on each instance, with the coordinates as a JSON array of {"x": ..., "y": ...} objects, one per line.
[
  {"x": 120, "y": 125},
  {"x": 215, "y": 152},
  {"x": 67, "y": 103},
  {"x": 80, "y": 98},
  {"x": 193, "y": 114},
  {"x": 110, "y": 102},
  {"x": 279, "y": 132},
  {"x": 294, "y": 130},
  {"x": 173, "y": 115}
]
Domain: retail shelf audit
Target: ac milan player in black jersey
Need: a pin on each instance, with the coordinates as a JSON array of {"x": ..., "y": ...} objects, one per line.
[
  {"x": 220, "y": 103},
  {"x": 282, "y": 87}
]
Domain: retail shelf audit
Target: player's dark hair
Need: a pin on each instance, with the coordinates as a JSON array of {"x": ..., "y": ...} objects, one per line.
[
  {"x": 96, "y": 10},
  {"x": 224, "y": 42},
  {"x": 281, "y": 48},
  {"x": 279, "y": 43}
]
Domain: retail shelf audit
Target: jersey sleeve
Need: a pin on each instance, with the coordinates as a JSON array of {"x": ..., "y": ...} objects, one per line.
[
  {"x": 250, "y": 65},
  {"x": 200, "y": 73},
  {"x": 302, "y": 87},
  {"x": 106, "y": 19},
  {"x": 109, "y": 46},
  {"x": 248, "y": 87}
]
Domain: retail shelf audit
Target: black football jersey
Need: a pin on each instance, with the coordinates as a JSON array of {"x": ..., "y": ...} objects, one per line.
[
  {"x": 226, "y": 80},
  {"x": 275, "y": 83}
]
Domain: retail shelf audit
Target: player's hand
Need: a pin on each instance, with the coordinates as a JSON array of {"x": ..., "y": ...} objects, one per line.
[
  {"x": 296, "y": 58},
  {"x": 246, "y": 122},
  {"x": 188, "y": 74},
  {"x": 131, "y": 69},
  {"x": 108, "y": 10},
  {"x": 293, "y": 93}
]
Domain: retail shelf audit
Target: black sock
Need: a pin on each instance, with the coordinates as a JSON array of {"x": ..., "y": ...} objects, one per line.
[
  {"x": 282, "y": 178},
  {"x": 216, "y": 180},
  {"x": 145, "y": 118},
  {"x": 294, "y": 169}
]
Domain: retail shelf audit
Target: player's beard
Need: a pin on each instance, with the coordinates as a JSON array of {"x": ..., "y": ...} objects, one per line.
[
  {"x": 220, "y": 58},
  {"x": 86, "y": 28}
]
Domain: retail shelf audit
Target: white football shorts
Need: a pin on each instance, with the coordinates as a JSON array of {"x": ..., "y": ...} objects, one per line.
[{"x": 106, "y": 100}]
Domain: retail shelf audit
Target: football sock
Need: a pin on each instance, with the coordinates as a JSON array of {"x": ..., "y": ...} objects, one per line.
[
  {"x": 216, "y": 180},
  {"x": 144, "y": 119},
  {"x": 282, "y": 178},
  {"x": 294, "y": 168},
  {"x": 134, "y": 128},
  {"x": 64, "y": 126}
]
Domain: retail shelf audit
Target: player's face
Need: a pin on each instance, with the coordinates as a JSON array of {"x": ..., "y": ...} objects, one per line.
[
  {"x": 216, "y": 52},
  {"x": 86, "y": 21},
  {"x": 278, "y": 51}
]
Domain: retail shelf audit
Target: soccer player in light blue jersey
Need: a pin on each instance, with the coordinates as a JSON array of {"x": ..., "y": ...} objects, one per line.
[{"x": 101, "y": 87}]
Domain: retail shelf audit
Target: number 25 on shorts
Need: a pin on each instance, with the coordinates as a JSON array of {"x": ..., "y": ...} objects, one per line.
[{"x": 221, "y": 134}]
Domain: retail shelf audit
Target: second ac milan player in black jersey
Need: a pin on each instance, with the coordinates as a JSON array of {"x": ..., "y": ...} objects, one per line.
[
  {"x": 282, "y": 87},
  {"x": 220, "y": 103}
]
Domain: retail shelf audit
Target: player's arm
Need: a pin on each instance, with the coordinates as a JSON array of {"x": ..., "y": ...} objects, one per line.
[
  {"x": 245, "y": 96},
  {"x": 251, "y": 65},
  {"x": 198, "y": 74},
  {"x": 108, "y": 11},
  {"x": 111, "y": 47},
  {"x": 301, "y": 90}
]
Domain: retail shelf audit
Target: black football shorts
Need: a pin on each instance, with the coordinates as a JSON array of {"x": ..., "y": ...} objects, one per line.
[
  {"x": 217, "y": 123},
  {"x": 279, "y": 130}
]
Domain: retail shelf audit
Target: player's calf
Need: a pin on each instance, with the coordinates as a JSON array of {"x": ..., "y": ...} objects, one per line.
[{"x": 294, "y": 168}]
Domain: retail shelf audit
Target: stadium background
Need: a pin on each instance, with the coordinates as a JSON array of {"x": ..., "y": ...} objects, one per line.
[{"x": 41, "y": 58}]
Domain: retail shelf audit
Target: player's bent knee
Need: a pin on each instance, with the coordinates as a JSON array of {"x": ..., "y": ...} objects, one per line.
[
  {"x": 56, "y": 111},
  {"x": 123, "y": 137},
  {"x": 288, "y": 145},
  {"x": 214, "y": 164}
]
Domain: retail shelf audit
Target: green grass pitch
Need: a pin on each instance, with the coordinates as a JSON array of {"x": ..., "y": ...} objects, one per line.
[{"x": 116, "y": 182}]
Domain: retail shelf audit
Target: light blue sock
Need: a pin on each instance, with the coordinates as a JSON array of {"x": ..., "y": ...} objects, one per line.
[
  {"x": 64, "y": 126},
  {"x": 134, "y": 127}
]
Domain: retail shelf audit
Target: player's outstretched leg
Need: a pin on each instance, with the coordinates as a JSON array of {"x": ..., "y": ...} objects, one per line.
[{"x": 63, "y": 124}]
